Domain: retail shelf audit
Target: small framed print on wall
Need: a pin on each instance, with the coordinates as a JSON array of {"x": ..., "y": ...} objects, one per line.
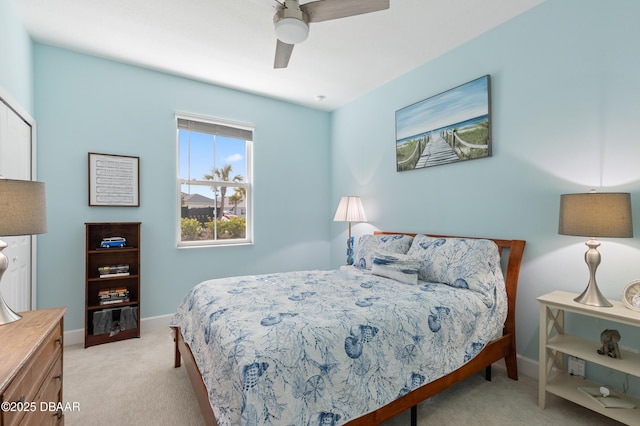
[{"x": 114, "y": 180}]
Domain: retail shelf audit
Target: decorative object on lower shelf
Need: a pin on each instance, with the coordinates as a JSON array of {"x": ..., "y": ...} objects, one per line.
[
  {"x": 576, "y": 366},
  {"x": 113, "y": 321},
  {"x": 631, "y": 295},
  {"x": 609, "y": 340},
  {"x": 606, "y": 397}
]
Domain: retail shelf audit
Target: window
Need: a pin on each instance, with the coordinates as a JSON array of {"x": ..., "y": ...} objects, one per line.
[{"x": 214, "y": 181}]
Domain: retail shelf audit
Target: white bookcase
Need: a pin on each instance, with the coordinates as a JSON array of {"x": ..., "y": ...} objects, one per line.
[{"x": 555, "y": 342}]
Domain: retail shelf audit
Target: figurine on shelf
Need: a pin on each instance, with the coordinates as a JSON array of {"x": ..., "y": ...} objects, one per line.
[
  {"x": 609, "y": 340},
  {"x": 109, "y": 242}
]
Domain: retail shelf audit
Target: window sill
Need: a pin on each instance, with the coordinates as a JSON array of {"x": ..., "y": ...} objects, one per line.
[{"x": 209, "y": 244}]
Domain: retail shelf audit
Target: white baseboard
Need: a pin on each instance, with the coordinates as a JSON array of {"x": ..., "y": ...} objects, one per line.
[
  {"x": 526, "y": 366},
  {"x": 75, "y": 337}
]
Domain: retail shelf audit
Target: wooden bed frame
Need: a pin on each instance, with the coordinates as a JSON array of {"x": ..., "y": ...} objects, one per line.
[{"x": 502, "y": 347}]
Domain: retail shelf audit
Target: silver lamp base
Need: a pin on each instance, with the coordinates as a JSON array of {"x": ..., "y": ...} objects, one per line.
[
  {"x": 591, "y": 295},
  {"x": 6, "y": 314}
]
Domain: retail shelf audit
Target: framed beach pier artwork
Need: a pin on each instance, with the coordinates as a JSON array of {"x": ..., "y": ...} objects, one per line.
[{"x": 446, "y": 128}]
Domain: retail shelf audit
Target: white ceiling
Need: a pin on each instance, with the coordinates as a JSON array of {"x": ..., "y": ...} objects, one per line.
[{"x": 231, "y": 42}]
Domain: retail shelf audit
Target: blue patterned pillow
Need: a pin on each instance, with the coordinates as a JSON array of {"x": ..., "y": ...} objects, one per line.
[
  {"x": 369, "y": 244},
  {"x": 399, "y": 267},
  {"x": 460, "y": 262}
]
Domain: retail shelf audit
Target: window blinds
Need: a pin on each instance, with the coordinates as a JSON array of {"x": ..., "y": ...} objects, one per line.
[{"x": 215, "y": 129}]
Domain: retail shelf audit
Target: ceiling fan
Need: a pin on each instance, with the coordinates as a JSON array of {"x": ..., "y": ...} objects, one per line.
[{"x": 292, "y": 20}]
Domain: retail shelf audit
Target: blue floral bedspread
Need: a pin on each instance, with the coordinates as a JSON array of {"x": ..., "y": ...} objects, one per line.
[{"x": 325, "y": 347}]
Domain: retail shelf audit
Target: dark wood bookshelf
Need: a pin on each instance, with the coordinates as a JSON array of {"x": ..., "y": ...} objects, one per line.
[{"x": 97, "y": 257}]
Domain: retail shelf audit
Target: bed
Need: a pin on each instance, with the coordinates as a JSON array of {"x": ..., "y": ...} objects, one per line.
[{"x": 416, "y": 314}]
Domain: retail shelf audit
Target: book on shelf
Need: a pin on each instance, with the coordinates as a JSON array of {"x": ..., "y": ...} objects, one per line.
[
  {"x": 113, "y": 270},
  {"x": 108, "y": 296},
  {"x": 613, "y": 400},
  {"x": 113, "y": 301},
  {"x": 117, "y": 274},
  {"x": 113, "y": 291}
]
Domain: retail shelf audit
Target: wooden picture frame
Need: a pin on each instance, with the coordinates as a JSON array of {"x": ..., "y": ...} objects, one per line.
[
  {"x": 450, "y": 127},
  {"x": 114, "y": 180}
]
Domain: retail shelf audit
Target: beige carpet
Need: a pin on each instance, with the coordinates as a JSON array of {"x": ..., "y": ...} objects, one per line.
[{"x": 133, "y": 382}]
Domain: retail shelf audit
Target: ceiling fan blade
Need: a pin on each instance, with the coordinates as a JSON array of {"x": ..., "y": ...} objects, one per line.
[
  {"x": 283, "y": 53},
  {"x": 325, "y": 10}
]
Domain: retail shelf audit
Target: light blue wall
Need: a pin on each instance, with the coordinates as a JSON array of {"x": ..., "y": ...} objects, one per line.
[
  {"x": 16, "y": 68},
  {"x": 565, "y": 103},
  {"x": 85, "y": 104}
]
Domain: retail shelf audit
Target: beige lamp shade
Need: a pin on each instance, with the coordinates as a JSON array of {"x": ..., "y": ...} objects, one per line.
[
  {"x": 350, "y": 209},
  {"x": 596, "y": 214},
  {"x": 22, "y": 207}
]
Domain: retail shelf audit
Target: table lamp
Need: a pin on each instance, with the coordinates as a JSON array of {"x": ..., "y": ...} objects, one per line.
[
  {"x": 350, "y": 209},
  {"x": 22, "y": 212},
  {"x": 595, "y": 214}
]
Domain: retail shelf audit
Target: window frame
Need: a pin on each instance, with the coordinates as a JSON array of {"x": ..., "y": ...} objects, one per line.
[{"x": 213, "y": 123}]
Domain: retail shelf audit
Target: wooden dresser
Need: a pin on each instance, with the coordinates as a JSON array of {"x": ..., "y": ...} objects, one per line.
[{"x": 31, "y": 369}]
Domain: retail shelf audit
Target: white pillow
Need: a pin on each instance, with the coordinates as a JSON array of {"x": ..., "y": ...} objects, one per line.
[
  {"x": 399, "y": 267},
  {"x": 369, "y": 244}
]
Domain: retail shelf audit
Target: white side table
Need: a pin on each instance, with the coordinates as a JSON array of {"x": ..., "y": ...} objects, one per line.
[{"x": 556, "y": 341}]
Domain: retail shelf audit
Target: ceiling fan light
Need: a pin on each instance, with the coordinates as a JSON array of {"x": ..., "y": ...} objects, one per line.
[{"x": 291, "y": 30}]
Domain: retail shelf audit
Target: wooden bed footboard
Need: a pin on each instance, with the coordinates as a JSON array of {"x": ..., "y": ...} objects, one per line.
[
  {"x": 199, "y": 389},
  {"x": 503, "y": 347}
]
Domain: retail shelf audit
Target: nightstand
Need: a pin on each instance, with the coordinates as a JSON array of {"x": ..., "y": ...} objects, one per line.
[{"x": 555, "y": 342}]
